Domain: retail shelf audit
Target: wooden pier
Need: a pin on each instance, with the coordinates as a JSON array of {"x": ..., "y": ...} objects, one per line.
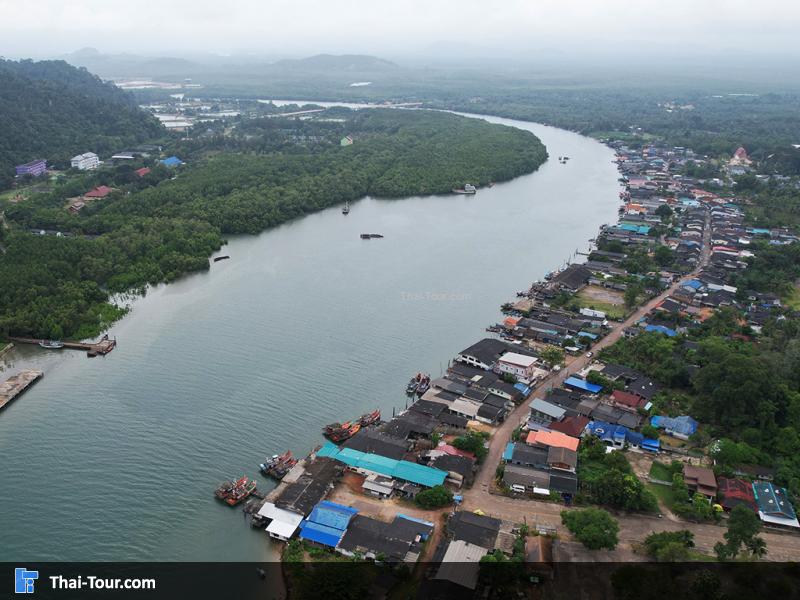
[
  {"x": 99, "y": 348},
  {"x": 15, "y": 385}
]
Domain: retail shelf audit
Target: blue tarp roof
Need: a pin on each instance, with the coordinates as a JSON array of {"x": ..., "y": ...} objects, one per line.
[
  {"x": 586, "y": 334},
  {"x": 661, "y": 329},
  {"x": 583, "y": 385},
  {"x": 640, "y": 229},
  {"x": 693, "y": 283},
  {"x": 400, "y": 469},
  {"x": 172, "y": 161},
  {"x": 508, "y": 452},
  {"x": 685, "y": 425},
  {"x": 523, "y": 388}
]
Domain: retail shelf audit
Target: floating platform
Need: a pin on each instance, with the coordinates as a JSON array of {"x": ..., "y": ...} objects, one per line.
[
  {"x": 14, "y": 386},
  {"x": 100, "y": 348}
]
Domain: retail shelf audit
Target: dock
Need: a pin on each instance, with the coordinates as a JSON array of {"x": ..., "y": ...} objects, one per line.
[
  {"x": 99, "y": 348},
  {"x": 15, "y": 385}
]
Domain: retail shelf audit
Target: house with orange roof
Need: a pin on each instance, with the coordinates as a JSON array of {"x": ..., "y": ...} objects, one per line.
[{"x": 552, "y": 439}]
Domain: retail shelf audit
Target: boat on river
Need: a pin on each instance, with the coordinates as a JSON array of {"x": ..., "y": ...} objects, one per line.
[
  {"x": 233, "y": 492},
  {"x": 219, "y": 258},
  {"x": 339, "y": 432},
  {"x": 278, "y": 465},
  {"x": 467, "y": 189},
  {"x": 346, "y": 208},
  {"x": 370, "y": 418},
  {"x": 51, "y": 344},
  {"x": 369, "y": 236}
]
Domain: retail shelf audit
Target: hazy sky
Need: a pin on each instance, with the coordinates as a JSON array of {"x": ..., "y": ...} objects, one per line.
[{"x": 405, "y": 27}]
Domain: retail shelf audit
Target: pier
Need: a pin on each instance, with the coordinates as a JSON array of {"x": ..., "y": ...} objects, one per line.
[
  {"x": 100, "y": 348},
  {"x": 15, "y": 385}
]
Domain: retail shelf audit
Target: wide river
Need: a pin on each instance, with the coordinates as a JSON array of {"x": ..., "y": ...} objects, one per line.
[{"x": 116, "y": 458}]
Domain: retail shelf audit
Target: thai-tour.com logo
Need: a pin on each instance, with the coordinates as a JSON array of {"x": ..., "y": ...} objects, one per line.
[{"x": 24, "y": 580}]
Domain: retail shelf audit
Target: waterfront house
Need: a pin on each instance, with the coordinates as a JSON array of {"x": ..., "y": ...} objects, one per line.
[
  {"x": 485, "y": 353},
  {"x": 520, "y": 366},
  {"x": 372, "y": 441},
  {"x": 326, "y": 524},
  {"x": 283, "y": 523},
  {"x": 35, "y": 168},
  {"x": 85, "y": 162}
]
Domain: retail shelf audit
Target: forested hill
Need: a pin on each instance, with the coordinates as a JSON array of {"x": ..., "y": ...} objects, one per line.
[{"x": 52, "y": 110}]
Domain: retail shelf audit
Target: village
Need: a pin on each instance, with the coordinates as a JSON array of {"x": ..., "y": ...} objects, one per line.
[{"x": 483, "y": 460}]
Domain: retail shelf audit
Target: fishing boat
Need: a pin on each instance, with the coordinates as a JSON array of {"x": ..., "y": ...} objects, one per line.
[
  {"x": 467, "y": 189},
  {"x": 51, "y": 344},
  {"x": 343, "y": 432},
  {"x": 278, "y": 465},
  {"x": 241, "y": 492},
  {"x": 412, "y": 386},
  {"x": 332, "y": 427},
  {"x": 219, "y": 258},
  {"x": 375, "y": 235},
  {"x": 235, "y": 491},
  {"x": 365, "y": 236},
  {"x": 424, "y": 384},
  {"x": 346, "y": 208},
  {"x": 370, "y": 418}
]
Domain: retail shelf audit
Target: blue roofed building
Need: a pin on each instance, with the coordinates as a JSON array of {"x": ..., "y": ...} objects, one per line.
[
  {"x": 390, "y": 467},
  {"x": 773, "y": 505},
  {"x": 172, "y": 161},
  {"x": 680, "y": 427},
  {"x": 327, "y": 523},
  {"x": 585, "y": 386},
  {"x": 661, "y": 329},
  {"x": 617, "y": 436}
]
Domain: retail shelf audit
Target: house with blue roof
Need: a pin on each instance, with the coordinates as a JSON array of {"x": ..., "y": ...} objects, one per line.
[
  {"x": 172, "y": 161},
  {"x": 661, "y": 329},
  {"x": 374, "y": 463},
  {"x": 773, "y": 505},
  {"x": 327, "y": 523},
  {"x": 583, "y": 385},
  {"x": 680, "y": 427}
]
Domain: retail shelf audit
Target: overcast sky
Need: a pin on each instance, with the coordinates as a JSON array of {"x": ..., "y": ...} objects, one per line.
[{"x": 406, "y": 27}]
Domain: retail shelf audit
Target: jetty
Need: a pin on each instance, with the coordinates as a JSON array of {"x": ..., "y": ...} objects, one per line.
[
  {"x": 15, "y": 385},
  {"x": 99, "y": 348}
]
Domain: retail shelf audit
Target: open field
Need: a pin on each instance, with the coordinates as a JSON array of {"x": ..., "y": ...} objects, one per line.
[{"x": 609, "y": 301}]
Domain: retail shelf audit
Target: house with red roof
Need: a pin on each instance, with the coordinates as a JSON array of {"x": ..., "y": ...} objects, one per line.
[
  {"x": 100, "y": 191},
  {"x": 143, "y": 171},
  {"x": 572, "y": 426},
  {"x": 732, "y": 492},
  {"x": 627, "y": 400}
]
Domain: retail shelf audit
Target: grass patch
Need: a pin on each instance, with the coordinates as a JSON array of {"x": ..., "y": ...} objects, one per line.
[
  {"x": 662, "y": 492},
  {"x": 792, "y": 299},
  {"x": 613, "y": 311},
  {"x": 660, "y": 471}
]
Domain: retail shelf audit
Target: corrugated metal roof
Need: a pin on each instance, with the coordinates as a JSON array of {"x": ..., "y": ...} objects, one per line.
[{"x": 400, "y": 469}]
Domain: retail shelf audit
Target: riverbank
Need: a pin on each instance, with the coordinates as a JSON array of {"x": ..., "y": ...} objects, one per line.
[{"x": 305, "y": 323}]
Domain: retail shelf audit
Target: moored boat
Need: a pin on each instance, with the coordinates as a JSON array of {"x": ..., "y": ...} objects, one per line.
[
  {"x": 51, "y": 344},
  {"x": 346, "y": 208},
  {"x": 219, "y": 258},
  {"x": 412, "y": 386},
  {"x": 370, "y": 418},
  {"x": 467, "y": 189}
]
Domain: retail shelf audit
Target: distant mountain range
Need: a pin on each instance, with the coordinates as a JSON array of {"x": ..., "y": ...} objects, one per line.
[{"x": 52, "y": 110}]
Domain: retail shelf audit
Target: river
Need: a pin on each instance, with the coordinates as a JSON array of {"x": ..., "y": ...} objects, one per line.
[{"x": 116, "y": 458}]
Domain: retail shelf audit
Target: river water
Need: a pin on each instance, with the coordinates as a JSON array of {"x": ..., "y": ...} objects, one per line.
[{"x": 116, "y": 458}]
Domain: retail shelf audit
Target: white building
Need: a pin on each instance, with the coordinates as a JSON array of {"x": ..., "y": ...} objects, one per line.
[
  {"x": 85, "y": 162},
  {"x": 521, "y": 366}
]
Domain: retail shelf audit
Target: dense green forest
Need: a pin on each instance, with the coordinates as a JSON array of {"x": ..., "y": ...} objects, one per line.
[
  {"x": 51, "y": 110},
  {"x": 157, "y": 228}
]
